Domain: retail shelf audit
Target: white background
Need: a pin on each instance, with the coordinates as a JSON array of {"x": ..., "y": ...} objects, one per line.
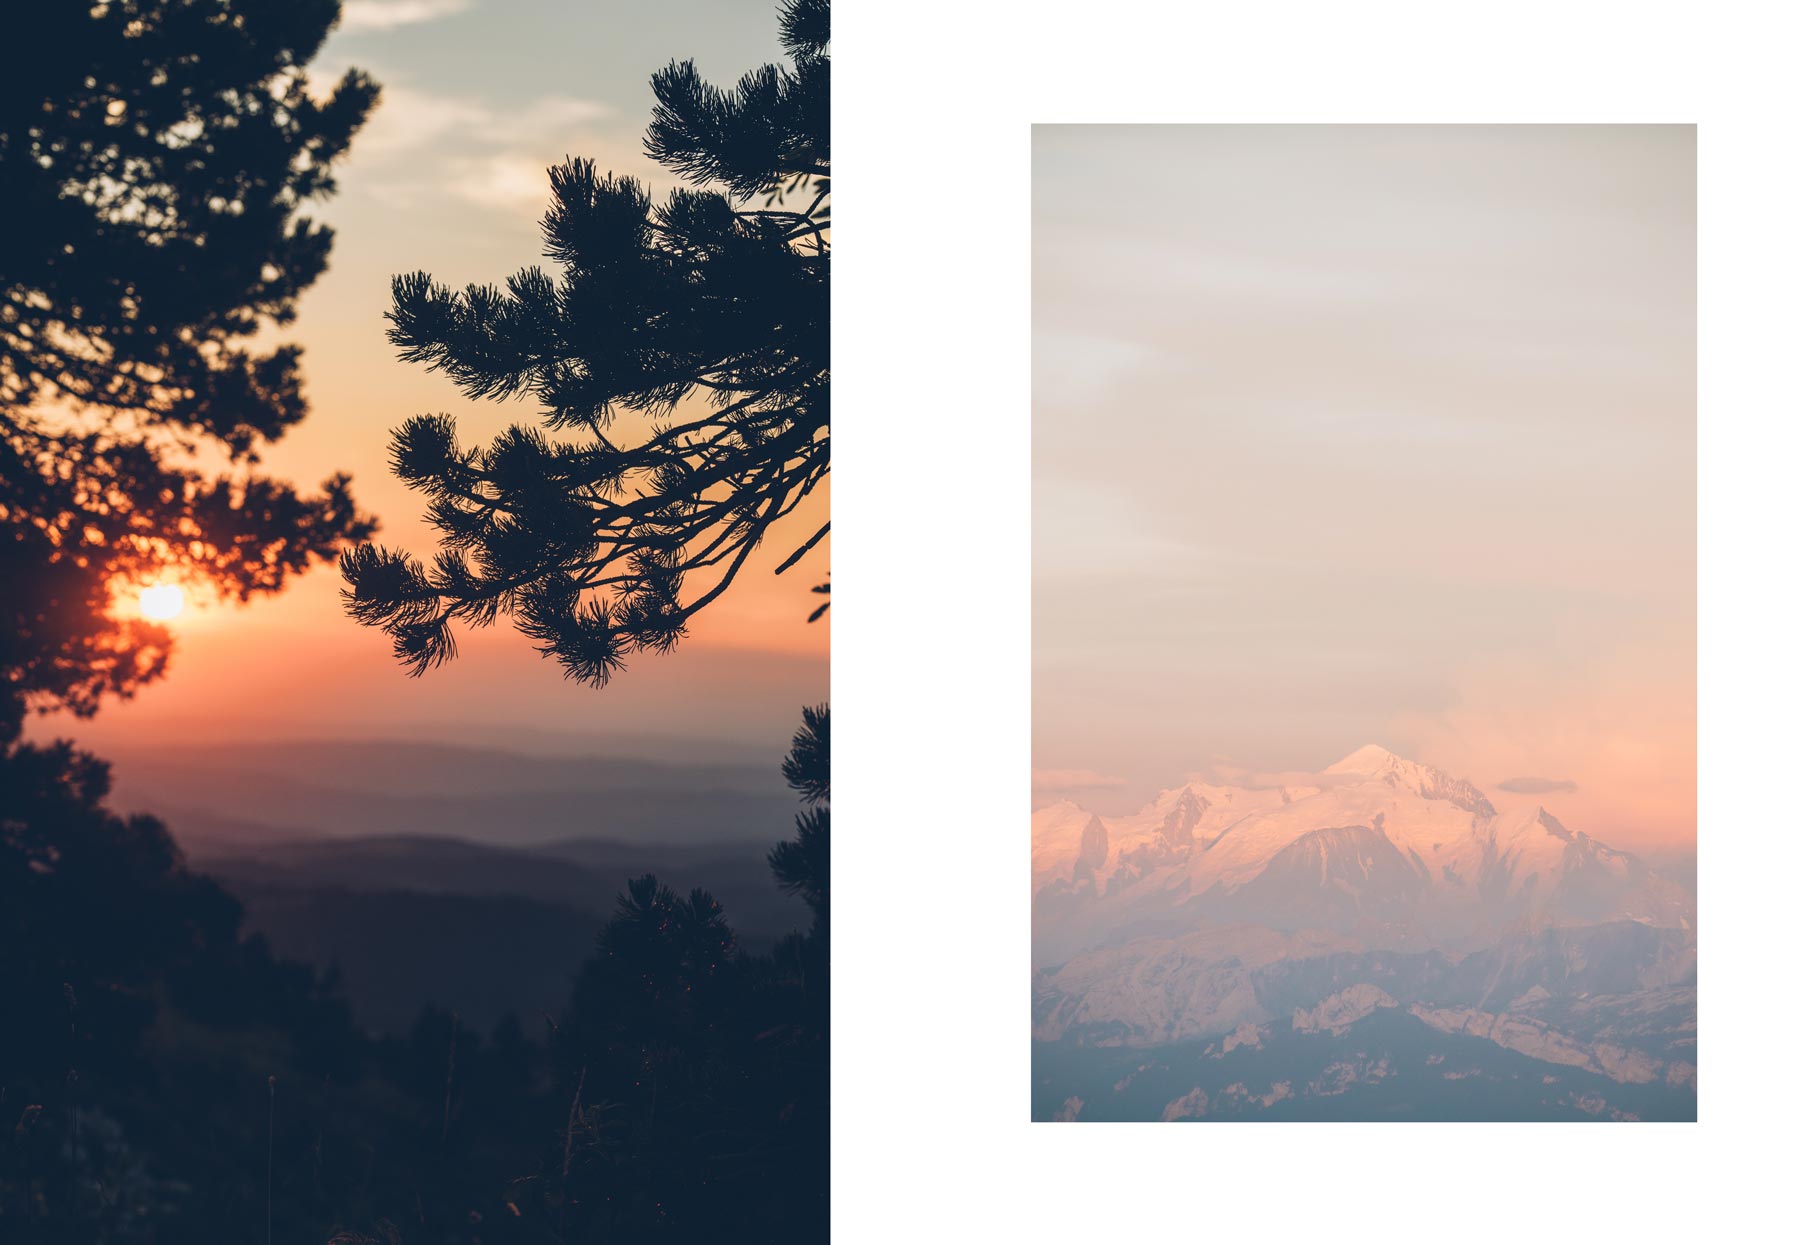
[{"x": 931, "y": 620}]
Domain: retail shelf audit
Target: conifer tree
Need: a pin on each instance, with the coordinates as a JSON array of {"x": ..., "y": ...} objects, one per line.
[
  {"x": 701, "y": 1073},
  {"x": 802, "y": 864},
  {"x": 680, "y": 358},
  {"x": 155, "y": 160}
]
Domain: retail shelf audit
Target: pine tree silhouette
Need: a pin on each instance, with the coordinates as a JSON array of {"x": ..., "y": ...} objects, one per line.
[
  {"x": 802, "y": 864},
  {"x": 700, "y": 1073},
  {"x": 154, "y": 160},
  {"x": 156, "y": 157},
  {"x": 681, "y": 360}
]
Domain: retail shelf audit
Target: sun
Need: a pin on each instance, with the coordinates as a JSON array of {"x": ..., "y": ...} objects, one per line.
[{"x": 161, "y": 602}]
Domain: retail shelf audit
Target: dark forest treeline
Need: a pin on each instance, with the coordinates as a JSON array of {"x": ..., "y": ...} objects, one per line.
[{"x": 165, "y": 1078}]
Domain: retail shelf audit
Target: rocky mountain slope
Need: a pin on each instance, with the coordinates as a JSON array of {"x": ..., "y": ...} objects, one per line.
[{"x": 1379, "y": 896}]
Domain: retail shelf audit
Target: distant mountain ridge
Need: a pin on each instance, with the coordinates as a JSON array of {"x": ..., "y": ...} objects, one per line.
[
  {"x": 472, "y": 879},
  {"x": 1393, "y": 850},
  {"x": 582, "y": 874},
  {"x": 1376, "y": 933},
  {"x": 471, "y": 928},
  {"x": 263, "y": 792}
]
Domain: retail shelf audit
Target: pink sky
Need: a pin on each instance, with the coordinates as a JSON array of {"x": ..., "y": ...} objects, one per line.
[{"x": 1368, "y": 435}]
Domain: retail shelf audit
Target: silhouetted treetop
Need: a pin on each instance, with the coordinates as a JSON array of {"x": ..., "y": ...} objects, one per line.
[
  {"x": 774, "y": 126},
  {"x": 700, "y": 1075},
  {"x": 153, "y": 161},
  {"x": 155, "y": 158},
  {"x": 802, "y": 864},
  {"x": 680, "y": 358},
  {"x": 807, "y": 766},
  {"x": 83, "y": 514}
]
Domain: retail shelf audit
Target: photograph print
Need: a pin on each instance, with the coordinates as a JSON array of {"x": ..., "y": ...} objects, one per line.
[
  {"x": 415, "y": 728},
  {"x": 1363, "y": 598}
]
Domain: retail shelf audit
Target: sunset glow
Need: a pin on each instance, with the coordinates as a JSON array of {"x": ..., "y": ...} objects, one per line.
[
  {"x": 1425, "y": 463},
  {"x": 161, "y": 602},
  {"x": 747, "y": 659}
]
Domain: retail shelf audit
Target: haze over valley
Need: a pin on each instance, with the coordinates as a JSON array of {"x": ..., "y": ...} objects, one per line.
[{"x": 468, "y": 878}]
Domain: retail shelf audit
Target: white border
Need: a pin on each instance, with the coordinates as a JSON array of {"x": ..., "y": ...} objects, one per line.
[{"x": 931, "y": 615}]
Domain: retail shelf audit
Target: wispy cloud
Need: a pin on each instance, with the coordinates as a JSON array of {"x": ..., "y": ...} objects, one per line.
[
  {"x": 1228, "y": 774},
  {"x": 505, "y": 181},
  {"x": 1074, "y": 368},
  {"x": 1536, "y": 786},
  {"x": 547, "y": 114},
  {"x": 422, "y": 145},
  {"x": 1081, "y": 528},
  {"x": 1046, "y": 780},
  {"x": 408, "y": 119},
  {"x": 393, "y": 14}
]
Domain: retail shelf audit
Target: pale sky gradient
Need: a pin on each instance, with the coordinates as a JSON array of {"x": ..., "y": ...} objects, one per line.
[
  {"x": 479, "y": 98},
  {"x": 1346, "y": 435}
]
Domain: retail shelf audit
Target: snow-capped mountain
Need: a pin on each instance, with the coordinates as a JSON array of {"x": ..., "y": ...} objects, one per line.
[
  {"x": 1373, "y": 763},
  {"x": 1393, "y": 851},
  {"x": 1374, "y": 940}
]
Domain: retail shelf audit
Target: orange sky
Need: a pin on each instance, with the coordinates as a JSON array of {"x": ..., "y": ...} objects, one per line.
[
  {"x": 478, "y": 99},
  {"x": 1369, "y": 435}
]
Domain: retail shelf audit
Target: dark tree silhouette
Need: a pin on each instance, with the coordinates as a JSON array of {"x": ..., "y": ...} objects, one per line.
[
  {"x": 802, "y": 864},
  {"x": 74, "y": 876},
  {"x": 700, "y": 1075},
  {"x": 155, "y": 156},
  {"x": 681, "y": 361},
  {"x": 105, "y": 935}
]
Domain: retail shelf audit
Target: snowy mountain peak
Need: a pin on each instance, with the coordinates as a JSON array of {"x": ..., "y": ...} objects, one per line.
[
  {"x": 1377, "y": 764},
  {"x": 1376, "y": 846},
  {"x": 1370, "y": 760}
]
